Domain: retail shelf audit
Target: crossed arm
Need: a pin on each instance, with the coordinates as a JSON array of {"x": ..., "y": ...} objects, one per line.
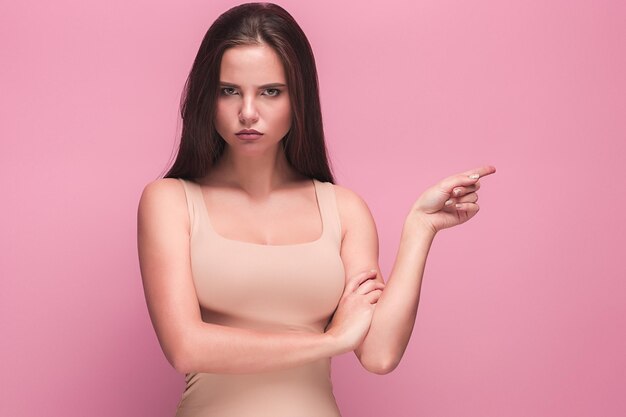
[
  {"x": 190, "y": 344},
  {"x": 394, "y": 316}
]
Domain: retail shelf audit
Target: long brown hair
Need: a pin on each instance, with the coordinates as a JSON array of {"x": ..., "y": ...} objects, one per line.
[{"x": 252, "y": 23}]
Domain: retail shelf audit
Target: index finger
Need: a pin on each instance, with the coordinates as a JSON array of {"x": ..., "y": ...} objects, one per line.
[
  {"x": 467, "y": 178},
  {"x": 481, "y": 171}
]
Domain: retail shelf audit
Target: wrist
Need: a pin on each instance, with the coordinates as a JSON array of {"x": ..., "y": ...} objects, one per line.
[
  {"x": 331, "y": 343},
  {"x": 334, "y": 344},
  {"x": 417, "y": 226}
]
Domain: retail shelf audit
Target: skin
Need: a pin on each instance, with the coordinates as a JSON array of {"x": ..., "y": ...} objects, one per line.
[
  {"x": 256, "y": 188},
  {"x": 392, "y": 323}
]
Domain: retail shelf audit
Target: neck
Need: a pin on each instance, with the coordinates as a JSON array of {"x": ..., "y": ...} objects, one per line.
[{"x": 257, "y": 174}]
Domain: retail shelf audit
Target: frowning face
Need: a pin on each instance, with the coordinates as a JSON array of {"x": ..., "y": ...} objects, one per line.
[{"x": 253, "y": 96}]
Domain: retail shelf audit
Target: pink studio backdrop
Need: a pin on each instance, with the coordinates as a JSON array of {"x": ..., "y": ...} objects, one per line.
[{"x": 522, "y": 310}]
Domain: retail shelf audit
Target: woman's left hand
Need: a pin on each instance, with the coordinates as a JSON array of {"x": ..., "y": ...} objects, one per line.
[{"x": 451, "y": 201}]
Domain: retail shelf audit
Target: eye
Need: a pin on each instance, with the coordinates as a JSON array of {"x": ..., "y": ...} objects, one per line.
[
  {"x": 228, "y": 91},
  {"x": 272, "y": 92}
]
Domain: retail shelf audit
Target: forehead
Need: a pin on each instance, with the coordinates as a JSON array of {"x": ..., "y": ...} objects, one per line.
[{"x": 251, "y": 65}]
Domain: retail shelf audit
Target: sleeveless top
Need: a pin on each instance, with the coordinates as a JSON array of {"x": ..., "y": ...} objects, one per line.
[{"x": 293, "y": 287}]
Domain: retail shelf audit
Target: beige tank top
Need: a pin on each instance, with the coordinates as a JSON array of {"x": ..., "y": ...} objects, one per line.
[{"x": 273, "y": 287}]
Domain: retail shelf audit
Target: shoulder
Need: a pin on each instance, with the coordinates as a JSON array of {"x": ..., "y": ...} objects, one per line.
[
  {"x": 163, "y": 198},
  {"x": 163, "y": 185},
  {"x": 166, "y": 191},
  {"x": 353, "y": 210},
  {"x": 348, "y": 200}
]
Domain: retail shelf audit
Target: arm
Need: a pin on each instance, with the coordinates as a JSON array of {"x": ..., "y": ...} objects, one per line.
[
  {"x": 450, "y": 202},
  {"x": 394, "y": 316},
  {"x": 188, "y": 343}
]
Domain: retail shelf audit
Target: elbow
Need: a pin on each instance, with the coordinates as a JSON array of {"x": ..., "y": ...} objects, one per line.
[
  {"x": 381, "y": 366},
  {"x": 180, "y": 364},
  {"x": 179, "y": 358}
]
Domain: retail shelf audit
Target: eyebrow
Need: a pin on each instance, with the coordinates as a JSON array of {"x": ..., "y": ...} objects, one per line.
[{"x": 271, "y": 85}]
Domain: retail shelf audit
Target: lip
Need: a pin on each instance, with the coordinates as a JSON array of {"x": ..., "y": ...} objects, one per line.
[
  {"x": 248, "y": 131},
  {"x": 249, "y": 134}
]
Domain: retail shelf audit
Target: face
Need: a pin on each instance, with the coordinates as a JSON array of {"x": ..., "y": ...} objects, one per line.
[{"x": 252, "y": 95}]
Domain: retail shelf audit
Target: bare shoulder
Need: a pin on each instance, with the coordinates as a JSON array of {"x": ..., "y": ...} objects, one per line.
[
  {"x": 353, "y": 210},
  {"x": 164, "y": 198},
  {"x": 348, "y": 199},
  {"x": 163, "y": 188}
]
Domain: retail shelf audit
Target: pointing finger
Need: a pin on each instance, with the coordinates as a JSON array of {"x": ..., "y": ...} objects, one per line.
[
  {"x": 481, "y": 171},
  {"x": 466, "y": 178}
]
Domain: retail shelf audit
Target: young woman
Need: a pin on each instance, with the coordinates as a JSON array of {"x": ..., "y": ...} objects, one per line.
[{"x": 258, "y": 268}]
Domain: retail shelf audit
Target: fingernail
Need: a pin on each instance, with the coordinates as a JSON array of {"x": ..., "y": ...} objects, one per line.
[
  {"x": 474, "y": 176},
  {"x": 449, "y": 202},
  {"x": 459, "y": 205},
  {"x": 457, "y": 192}
]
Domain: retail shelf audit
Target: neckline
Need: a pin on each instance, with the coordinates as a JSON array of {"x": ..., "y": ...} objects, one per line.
[{"x": 243, "y": 242}]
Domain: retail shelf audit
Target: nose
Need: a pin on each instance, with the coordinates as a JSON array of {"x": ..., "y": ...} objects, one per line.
[{"x": 248, "y": 113}]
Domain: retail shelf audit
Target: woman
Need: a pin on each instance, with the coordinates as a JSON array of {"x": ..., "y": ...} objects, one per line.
[{"x": 257, "y": 268}]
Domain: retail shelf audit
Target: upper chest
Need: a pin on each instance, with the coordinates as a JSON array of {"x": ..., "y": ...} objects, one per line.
[{"x": 289, "y": 216}]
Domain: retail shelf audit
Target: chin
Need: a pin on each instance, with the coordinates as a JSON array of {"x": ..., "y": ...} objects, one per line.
[{"x": 254, "y": 147}]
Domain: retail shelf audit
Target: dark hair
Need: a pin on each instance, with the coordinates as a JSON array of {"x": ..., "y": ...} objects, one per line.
[{"x": 252, "y": 23}]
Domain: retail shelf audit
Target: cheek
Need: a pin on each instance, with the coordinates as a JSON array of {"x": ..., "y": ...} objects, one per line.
[{"x": 285, "y": 115}]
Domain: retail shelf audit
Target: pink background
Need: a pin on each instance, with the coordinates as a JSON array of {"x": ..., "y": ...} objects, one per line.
[{"x": 522, "y": 310}]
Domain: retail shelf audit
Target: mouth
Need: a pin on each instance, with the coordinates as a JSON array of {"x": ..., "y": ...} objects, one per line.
[{"x": 249, "y": 134}]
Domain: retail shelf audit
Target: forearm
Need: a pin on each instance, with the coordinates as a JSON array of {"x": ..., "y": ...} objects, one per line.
[
  {"x": 221, "y": 349},
  {"x": 394, "y": 317}
]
